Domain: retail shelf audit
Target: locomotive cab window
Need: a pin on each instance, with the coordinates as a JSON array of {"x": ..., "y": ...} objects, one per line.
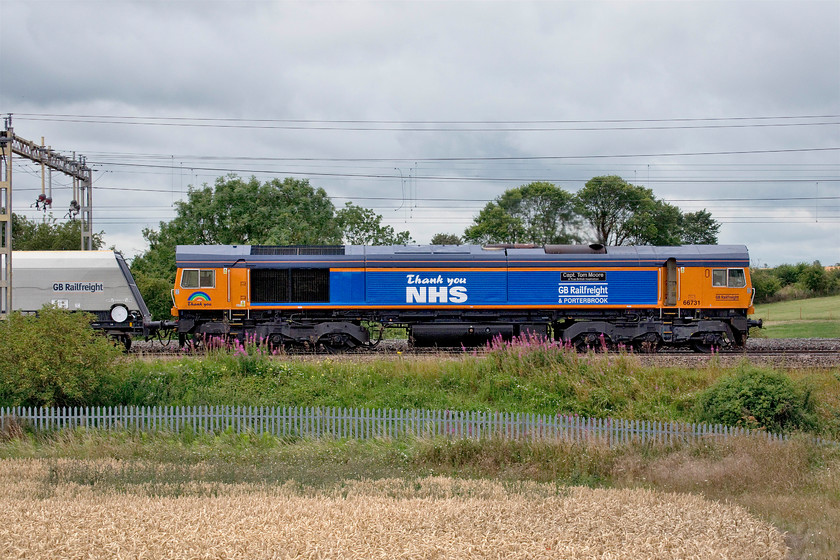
[
  {"x": 195, "y": 278},
  {"x": 737, "y": 278},
  {"x": 729, "y": 278}
]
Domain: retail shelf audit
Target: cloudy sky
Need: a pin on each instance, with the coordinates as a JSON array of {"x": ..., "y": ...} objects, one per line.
[{"x": 424, "y": 111}]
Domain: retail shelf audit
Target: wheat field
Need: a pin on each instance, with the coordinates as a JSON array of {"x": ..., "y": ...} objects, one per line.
[{"x": 44, "y": 515}]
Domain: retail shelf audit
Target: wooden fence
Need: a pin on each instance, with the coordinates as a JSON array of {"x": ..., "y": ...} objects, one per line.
[{"x": 362, "y": 423}]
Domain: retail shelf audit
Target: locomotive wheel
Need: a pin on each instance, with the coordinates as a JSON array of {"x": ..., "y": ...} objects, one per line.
[
  {"x": 648, "y": 344},
  {"x": 335, "y": 343},
  {"x": 707, "y": 343},
  {"x": 701, "y": 347},
  {"x": 592, "y": 342},
  {"x": 275, "y": 344}
]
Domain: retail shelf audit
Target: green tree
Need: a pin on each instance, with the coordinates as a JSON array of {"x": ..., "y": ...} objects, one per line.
[
  {"x": 363, "y": 226},
  {"x": 539, "y": 213},
  {"x": 235, "y": 211},
  {"x": 49, "y": 235},
  {"x": 608, "y": 204},
  {"x": 446, "y": 239},
  {"x": 789, "y": 273},
  {"x": 655, "y": 223},
  {"x": 156, "y": 293},
  {"x": 623, "y": 214},
  {"x": 699, "y": 228}
]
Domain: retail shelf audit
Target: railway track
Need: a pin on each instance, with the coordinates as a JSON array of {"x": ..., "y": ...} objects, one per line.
[{"x": 781, "y": 352}]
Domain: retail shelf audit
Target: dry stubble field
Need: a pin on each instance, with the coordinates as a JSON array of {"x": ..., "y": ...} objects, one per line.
[{"x": 44, "y": 516}]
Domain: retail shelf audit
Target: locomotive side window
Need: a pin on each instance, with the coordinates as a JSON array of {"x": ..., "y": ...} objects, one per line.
[
  {"x": 206, "y": 278},
  {"x": 194, "y": 278},
  {"x": 737, "y": 278},
  {"x": 729, "y": 278}
]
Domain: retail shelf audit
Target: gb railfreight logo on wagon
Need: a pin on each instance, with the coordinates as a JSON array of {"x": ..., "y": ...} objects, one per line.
[{"x": 78, "y": 287}]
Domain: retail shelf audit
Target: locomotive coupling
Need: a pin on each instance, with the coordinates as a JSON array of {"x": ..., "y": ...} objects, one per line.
[
  {"x": 759, "y": 323},
  {"x": 155, "y": 326}
]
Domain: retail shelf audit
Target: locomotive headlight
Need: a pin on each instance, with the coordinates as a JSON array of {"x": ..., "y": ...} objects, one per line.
[{"x": 119, "y": 313}]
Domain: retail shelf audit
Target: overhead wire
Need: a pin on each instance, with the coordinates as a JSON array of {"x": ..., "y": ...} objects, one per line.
[
  {"x": 128, "y": 162},
  {"x": 441, "y": 125}
]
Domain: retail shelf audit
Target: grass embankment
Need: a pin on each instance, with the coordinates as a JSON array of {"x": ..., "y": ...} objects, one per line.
[
  {"x": 529, "y": 378},
  {"x": 802, "y": 318}
]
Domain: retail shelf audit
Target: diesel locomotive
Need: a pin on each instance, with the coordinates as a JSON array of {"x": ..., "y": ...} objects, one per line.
[{"x": 696, "y": 296}]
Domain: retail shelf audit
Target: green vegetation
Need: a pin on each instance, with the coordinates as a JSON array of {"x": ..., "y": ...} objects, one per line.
[
  {"x": 802, "y": 329},
  {"x": 529, "y": 375},
  {"x": 813, "y": 309},
  {"x": 54, "y": 359},
  {"x": 50, "y": 235},
  {"x": 607, "y": 210},
  {"x": 446, "y": 239},
  {"x": 801, "y": 318},
  {"x": 235, "y": 211},
  {"x": 544, "y": 382},
  {"x": 783, "y": 483},
  {"x": 794, "y": 282},
  {"x": 757, "y": 398}
]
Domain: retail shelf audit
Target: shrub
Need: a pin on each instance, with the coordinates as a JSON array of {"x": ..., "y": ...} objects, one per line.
[
  {"x": 54, "y": 358},
  {"x": 789, "y": 273},
  {"x": 766, "y": 285},
  {"x": 815, "y": 279},
  {"x": 757, "y": 398}
]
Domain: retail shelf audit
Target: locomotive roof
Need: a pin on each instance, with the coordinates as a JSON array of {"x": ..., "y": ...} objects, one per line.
[{"x": 230, "y": 255}]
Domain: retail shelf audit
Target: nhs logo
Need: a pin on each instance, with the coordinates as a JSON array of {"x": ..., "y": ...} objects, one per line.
[{"x": 435, "y": 289}]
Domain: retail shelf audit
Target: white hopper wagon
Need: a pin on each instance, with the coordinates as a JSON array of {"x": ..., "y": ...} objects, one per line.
[{"x": 97, "y": 282}]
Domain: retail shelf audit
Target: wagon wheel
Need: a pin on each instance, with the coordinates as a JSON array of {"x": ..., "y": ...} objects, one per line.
[{"x": 123, "y": 340}]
